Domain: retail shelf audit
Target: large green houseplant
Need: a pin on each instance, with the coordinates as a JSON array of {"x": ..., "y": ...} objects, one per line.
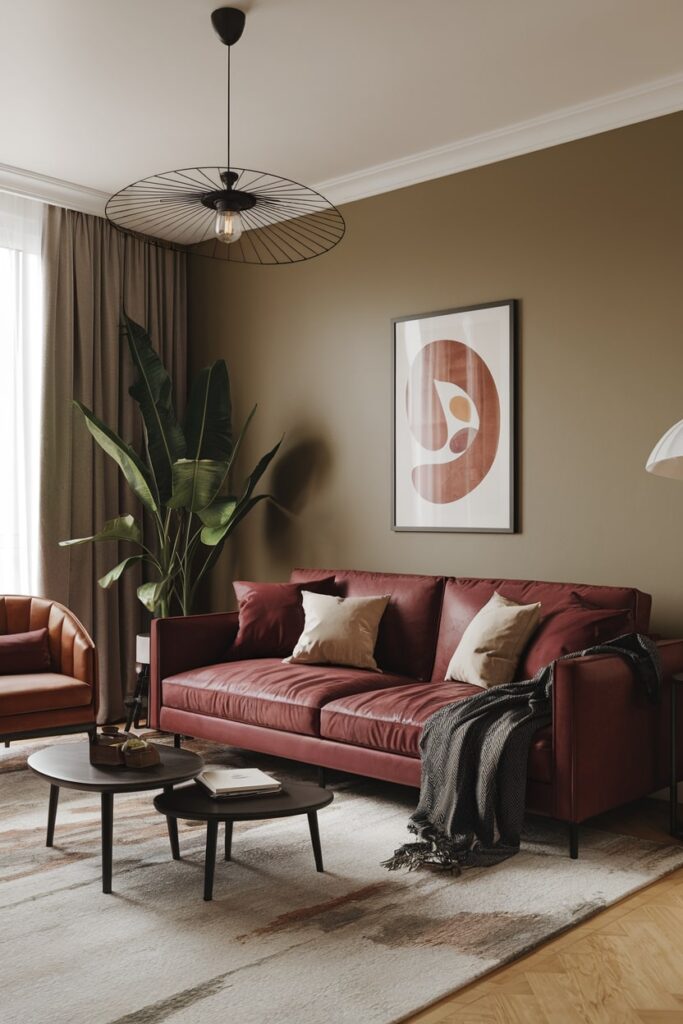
[{"x": 184, "y": 479}]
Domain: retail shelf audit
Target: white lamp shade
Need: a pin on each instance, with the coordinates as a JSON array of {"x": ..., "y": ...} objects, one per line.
[
  {"x": 666, "y": 458},
  {"x": 142, "y": 648}
]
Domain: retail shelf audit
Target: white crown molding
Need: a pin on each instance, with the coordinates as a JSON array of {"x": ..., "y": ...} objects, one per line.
[
  {"x": 664, "y": 96},
  {"x": 52, "y": 190}
]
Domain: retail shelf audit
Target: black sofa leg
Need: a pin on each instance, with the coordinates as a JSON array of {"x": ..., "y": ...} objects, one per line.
[
  {"x": 7, "y": 743},
  {"x": 322, "y": 778},
  {"x": 574, "y": 841},
  {"x": 177, "y": 739}
]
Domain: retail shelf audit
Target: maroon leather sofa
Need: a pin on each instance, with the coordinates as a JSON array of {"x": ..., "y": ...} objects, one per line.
[{"x": 606, "y": 745}]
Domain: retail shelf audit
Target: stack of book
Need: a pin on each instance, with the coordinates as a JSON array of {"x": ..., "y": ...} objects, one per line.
[{"x": 224, "y": 783}]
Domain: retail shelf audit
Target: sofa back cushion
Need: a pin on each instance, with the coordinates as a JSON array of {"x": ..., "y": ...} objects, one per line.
[
  {"x": 271, "y": 617},
  {"x": 464, "y": 597},
  {"x": 569, "y": 629},
  {"x": 406, "y": 641}
]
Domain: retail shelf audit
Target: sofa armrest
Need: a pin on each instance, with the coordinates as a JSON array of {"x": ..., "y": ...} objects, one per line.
[
  {"x": 184, "y": 642},
  {"x": 72, "y": 650},
  {"x": 610, "y": 745}
]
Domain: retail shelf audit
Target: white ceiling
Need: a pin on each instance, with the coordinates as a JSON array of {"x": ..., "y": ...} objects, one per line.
[{"x": 102, "y": 94}]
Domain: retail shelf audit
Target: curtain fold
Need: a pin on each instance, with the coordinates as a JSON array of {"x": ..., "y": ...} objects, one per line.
[{"x": 92, "y": 272}]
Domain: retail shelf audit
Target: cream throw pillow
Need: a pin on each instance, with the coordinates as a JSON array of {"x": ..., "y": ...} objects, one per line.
[
  {"x": 490, "y": 647},
  {"x": 339, "y": 630}
]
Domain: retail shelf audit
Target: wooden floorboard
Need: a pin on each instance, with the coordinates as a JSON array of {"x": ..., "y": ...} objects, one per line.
[{"x": 623, "y": 966}]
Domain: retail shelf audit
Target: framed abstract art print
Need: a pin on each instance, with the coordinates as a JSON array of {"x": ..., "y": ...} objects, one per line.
[{"x": 454, "y": 420}]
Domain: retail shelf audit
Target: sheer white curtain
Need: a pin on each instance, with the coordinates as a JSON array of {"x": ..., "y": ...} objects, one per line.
[{"x": 21, "y": 361}]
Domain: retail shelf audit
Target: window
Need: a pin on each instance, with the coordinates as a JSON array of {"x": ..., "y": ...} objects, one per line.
[{"x": 21, "y": 344}]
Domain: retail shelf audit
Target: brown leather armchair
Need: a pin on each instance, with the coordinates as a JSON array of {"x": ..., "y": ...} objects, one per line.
[{"x": 63, "y": 700}]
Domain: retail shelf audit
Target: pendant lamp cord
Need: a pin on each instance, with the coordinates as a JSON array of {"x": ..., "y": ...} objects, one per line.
[{"x": 228, "y": 167}]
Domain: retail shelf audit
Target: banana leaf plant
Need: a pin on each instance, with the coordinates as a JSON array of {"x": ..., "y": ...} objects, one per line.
[{"x": 183, "y": 481}]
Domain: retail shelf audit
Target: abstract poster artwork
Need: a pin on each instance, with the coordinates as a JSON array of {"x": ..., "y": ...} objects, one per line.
[{"x": 454, "y": 420}]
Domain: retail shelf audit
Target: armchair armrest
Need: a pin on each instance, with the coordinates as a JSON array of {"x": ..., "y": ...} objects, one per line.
[
  {"x": 184, "y": 642},
  {"x": 610, "y": 744},
  {"x": 72, "y": 649}
]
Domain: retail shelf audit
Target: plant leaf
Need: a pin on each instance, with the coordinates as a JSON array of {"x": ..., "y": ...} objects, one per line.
[
  {"x": 208, "y": 425},
  {"x": 258, "y": 471},
  {"x": 151, "y": 594},
  {"x": 219, "y": 525},
  {"x": 152, "y": 391},
  {"x": 196, "y": 482},
  {"x": 240, "y": 438},
  {"x": 212, "y": 535},
  {"x": 114, "y": 574},
  {"x": 129, "y": 462},
  {"x": 218, "y": 512},
  {"x": 121, "y": 528}
]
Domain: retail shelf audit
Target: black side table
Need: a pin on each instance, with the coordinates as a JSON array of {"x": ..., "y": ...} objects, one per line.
[
  {"x": 68, "y": 765},
  {"x": 193, "y": 803},
  {"x": 676, "y": 830}
]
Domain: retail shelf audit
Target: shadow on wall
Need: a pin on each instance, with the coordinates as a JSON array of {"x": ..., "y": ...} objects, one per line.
[{"x": 296, "y": 478}]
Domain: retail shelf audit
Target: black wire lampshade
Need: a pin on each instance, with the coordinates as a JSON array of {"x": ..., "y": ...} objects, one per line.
[{"x": 228, "y": 213}]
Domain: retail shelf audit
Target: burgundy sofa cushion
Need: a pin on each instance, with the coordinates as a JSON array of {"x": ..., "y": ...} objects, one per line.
[
  {"x": 22, "y": 653},
  {"x": 271, "y": 617},
  {"x": 393, "y": 719},
  {"x": 572, "y": 629},
  {"x": 464, "y": 597},
  {"x": 407, "y": 634},
  {"x": 265, "y": 692}
]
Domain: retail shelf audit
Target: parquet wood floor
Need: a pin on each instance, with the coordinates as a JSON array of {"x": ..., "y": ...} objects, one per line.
[{"x": 623, "y": 966}]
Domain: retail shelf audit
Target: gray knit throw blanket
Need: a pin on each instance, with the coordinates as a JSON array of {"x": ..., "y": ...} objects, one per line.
[{"x": 474, "y": 765}]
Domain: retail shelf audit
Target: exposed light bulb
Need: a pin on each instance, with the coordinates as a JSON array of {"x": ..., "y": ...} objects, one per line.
[{"x": 228, "y": 227}]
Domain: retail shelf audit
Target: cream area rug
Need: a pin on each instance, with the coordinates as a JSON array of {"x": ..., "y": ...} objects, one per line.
[{"x": 279, "y": 942}]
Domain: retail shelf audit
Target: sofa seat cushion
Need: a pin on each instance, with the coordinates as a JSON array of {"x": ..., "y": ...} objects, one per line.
[
  {"x": 46, "y": 691},
  {"x": 392, "y": 720},
  {"x": 265, "y": 692}
]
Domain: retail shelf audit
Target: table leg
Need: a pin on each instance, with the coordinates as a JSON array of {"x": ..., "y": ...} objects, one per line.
[
  {"x": 136, "y": 703},
  {"x": 172, "y": 826},
  {"x": 315, "y": 839},
  {"x": 52, "y": 814},
  {"x": 228, "y": 840},
  {"x": 210, "y": 860},
  {"x": 107, "y": 839}
]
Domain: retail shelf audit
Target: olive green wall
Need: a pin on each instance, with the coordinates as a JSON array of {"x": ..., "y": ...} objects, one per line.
[{"x": 589, "y": 237}]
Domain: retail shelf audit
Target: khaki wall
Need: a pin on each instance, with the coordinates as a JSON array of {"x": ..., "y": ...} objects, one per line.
[{"x": 589, "y": 237}]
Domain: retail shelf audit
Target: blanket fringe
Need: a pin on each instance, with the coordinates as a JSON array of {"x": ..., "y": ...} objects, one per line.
[{"x": 416, "y": 855}]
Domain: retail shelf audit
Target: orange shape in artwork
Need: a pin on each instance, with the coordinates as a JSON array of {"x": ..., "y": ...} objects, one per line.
[{"x": 461, "y": 408}]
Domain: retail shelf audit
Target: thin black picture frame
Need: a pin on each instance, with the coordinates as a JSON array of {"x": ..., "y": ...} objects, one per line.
[{"x": 513, "y": 321}]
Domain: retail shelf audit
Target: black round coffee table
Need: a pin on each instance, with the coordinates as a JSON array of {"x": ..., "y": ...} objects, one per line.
[
  {"x": 192, "y": 803},
  {"x": 69, "y": 766}
]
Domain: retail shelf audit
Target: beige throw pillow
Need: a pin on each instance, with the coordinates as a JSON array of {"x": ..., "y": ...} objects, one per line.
[
  {"x": 339, "y": 630},
  {"x": 490, "y": 647}
]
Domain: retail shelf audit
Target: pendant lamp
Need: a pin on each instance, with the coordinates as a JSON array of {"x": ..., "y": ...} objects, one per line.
[{"x": 228, "y": 212}]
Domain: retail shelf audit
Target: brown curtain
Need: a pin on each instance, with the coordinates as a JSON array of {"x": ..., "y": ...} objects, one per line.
[{"x": 91, "y": 273}]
